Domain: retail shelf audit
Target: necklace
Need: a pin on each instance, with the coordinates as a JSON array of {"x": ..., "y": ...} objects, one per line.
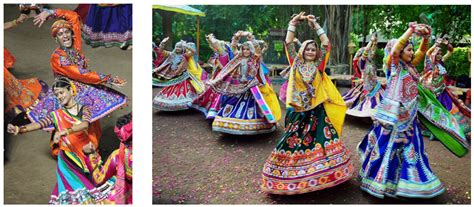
[{"x": 71, "y": 106}]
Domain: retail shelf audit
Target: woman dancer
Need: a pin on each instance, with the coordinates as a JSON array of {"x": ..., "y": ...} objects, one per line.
[
  {"x": 244, "y": 108},
  {"x": 118, "y": 166},
  {"x": 364, "y": 97},
  {"x": 180, "y": 74},
  {"x": 208, "y": 102},
  {"x": 19, "y": 94},
  {"x": 310, "y": 155},
  {"x": 394, "y": 161},
  {"x": 434, "y": 80},
  {"x": 74, "y": 130}
]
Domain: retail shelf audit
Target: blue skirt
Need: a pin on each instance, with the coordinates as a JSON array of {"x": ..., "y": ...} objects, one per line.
[
  {"x": 395, "y": 164},
  {"x": 241, "y": 115},
  {"x": 108, "y": 26}
]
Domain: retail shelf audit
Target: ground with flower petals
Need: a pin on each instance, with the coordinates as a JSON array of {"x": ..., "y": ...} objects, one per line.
[{"x": 192, "y": 164}]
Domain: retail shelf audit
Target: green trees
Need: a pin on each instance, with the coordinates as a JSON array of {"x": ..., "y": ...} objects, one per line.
[{"x": 339, "y": 21}]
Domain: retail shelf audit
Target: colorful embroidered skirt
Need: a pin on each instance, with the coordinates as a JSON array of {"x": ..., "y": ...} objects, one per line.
[
  {"x": 363, "y": 103},
  {"x": 441, "y": 123},
  {"x": 162, "y": 82},
  {"x": 21, "y": 94},
  {"x": 73, "y": 186},
  {"x": 448, "y": 102},
  {"x": 395, "y": 164},
  {"x": 101, "y": 99},
  {"x": 175, "y": 97},
  {"x": 109, "y": 26},
  {"x": 208, "y": 103},
  {"x": 241, "y": 115},
  {"x": 309, "y": 157}
]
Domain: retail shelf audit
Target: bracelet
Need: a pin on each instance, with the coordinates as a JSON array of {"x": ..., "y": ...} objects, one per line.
[
  {"x": 291, "y": 28},
  {"x": 68, "y": 131},
  {"x": 320, "y": 31},
  {"x": 22, "y": 129},
  {"x": 14, "y": 23},
  {"x": 365, "y": 54}
]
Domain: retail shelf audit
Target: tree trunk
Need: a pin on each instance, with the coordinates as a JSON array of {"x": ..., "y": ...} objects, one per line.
[
  {"x": 339, "y": 26},
  {"x": 167, "y": 27}
]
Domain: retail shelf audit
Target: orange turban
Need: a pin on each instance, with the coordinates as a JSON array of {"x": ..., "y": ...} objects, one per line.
[{"x": 58, "y": 25}]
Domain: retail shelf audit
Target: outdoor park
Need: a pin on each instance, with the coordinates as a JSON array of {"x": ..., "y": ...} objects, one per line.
[{"x": 196, "y": 160}]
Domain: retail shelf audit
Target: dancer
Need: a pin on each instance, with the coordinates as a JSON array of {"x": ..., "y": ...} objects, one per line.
[
  {"x": 286, "y": 72},
  {"x": 180, "y": 74},
  {"x": 394, "y": 161},
  {"x": 68, "y": 61},
  {"x": 245, "y": 110},
  {"x": 118, "y": 166},
  {"x": 310, "y": 156},
  {"x": 19, "y": 94},
  {"x": 433, "y": 79},
  {"x": 208, "y": 102},
  {"x": 366, "y": 95},
  {"x": 75, "y": 129}
]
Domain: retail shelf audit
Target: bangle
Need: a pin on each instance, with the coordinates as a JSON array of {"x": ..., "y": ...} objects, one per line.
[
  {"x": 68, "y": 131},
  {"x": 14, "y": 22},
  {"x": 22, "y": 129},
  {"x": 320, "y": 31},
  {"x": 291, "y": 28}
]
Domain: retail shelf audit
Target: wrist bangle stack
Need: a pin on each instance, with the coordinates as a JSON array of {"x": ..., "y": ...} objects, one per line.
[
  {"x": 68, "y": 131},
  {"x": 291, "y": 28},
  {"x": 22, "y": 130},
  {"x": 320, "y": 31}
]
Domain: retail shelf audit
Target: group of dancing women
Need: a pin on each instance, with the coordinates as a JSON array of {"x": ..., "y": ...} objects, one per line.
[
  {"x": 238, "y": 97},
  {"x": 70, "y": 109}
]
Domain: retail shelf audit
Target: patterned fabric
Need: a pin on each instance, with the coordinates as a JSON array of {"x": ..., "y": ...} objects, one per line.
[
  {"x": 282, "y": 93},
  {"x": 108, "y": 172},
  {"x": 398, "y": 107},
  {"x": 448, "y": 131},
  {"x": 433, "y": 79},
  {"x": 241, "y": 115},
  {"x": 310, "y": 156},
  {"x": 21, "y": 94},
  {"x": 207, "y": 102},
  {"x": 172, "y": 70},
  {"x": 8, "y": 59},
  {"x": 101, "y": 100},
  {"x": 73, "y": 185},
  {"x": 363, "y": 99},
  {"x": 234, "y": 79},
  {"x": 394, "y": 163},
  {"x": 109, "y": 26},
  {"x": 175, "y": 97}
]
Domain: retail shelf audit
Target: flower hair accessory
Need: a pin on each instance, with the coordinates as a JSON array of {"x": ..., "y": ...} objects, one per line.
[{"x": 73, "y": 87}]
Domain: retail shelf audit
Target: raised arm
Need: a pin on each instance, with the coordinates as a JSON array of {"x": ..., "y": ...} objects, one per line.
[
  {"x": 60, "y": 66},
  {"x": 420, "y": 53},
  {"x": 161, "y": 47},
  {"x": 449, "y": 53},
  {"x": 234, "y": 44},
  {"x": 215, "y": 44},
  {"x": 15, "y": 22}
]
